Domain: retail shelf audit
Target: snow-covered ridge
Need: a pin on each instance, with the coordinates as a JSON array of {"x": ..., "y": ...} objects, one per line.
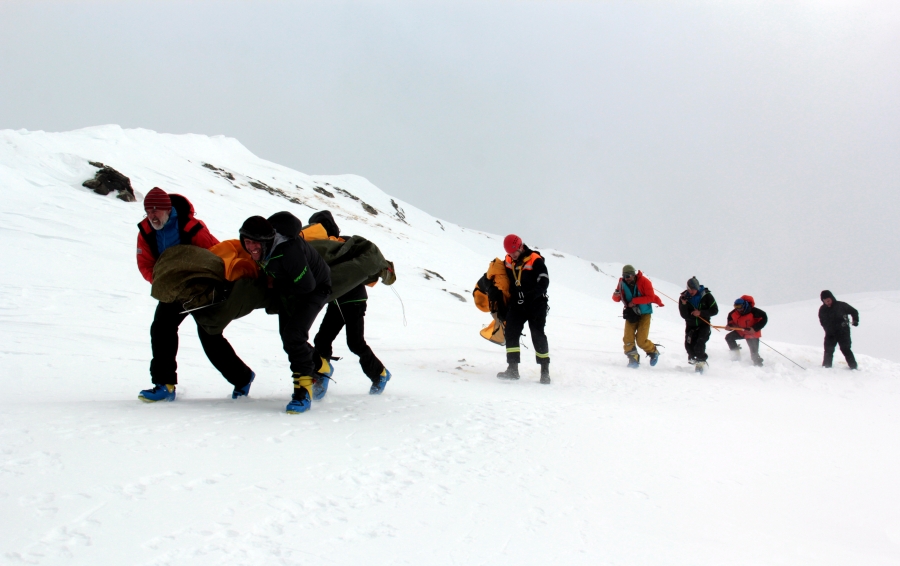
[{"x": 742, "y": 465}]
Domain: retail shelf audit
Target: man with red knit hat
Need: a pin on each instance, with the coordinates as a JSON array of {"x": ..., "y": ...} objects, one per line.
[
  {"x": 170, "y": 222},
  {"x": 528, "y": 283}
]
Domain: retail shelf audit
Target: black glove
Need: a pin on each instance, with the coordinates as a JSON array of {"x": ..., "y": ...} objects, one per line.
[{"x": 856, "y": 323}]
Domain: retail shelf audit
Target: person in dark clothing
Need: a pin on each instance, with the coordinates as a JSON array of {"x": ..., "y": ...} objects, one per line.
[
  {"x": 836, "y": 317},
  {"x": 170, "y": 222},
  {"x": 528, "y": 303},
  {"x": 746, "y": 322},
  {"x": 301, "y": 283},
  {"x": 697, "y": 307},
  {"x": 347, "y": 310}
]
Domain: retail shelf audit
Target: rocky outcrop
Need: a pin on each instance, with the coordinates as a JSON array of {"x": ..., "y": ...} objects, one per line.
[{"x": 107, "y": 180}]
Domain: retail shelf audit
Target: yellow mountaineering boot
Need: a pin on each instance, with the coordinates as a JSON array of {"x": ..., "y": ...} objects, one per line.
[{"x": 301, "y": 400}]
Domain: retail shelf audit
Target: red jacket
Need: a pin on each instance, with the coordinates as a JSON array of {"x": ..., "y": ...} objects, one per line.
[
  {"x": 645, "y": 289},
  {"x": 191, "y": 231},
  {"x": 753, "y": 321}
]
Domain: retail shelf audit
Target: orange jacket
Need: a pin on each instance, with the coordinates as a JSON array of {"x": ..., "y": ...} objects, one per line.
[{"x": 238, "y": 263}]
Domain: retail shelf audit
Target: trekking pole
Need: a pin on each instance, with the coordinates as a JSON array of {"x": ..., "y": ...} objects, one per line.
[
  {"x": 711, "y": 325},
  {"x": 402, "y": 306},
  {"x": 783, "y": 356}
]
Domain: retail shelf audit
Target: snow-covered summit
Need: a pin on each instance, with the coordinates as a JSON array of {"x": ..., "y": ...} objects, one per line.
[{"x": 606, "y": 465}]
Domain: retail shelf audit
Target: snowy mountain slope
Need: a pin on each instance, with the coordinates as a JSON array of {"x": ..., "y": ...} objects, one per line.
[
  {"x": 606, "y": 465},
  {"x": 875, "y": 336}
]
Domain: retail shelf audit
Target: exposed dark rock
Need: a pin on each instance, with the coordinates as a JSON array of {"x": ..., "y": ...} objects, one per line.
[
  {"x": 457, "y": 295},
  {"x": 371, "y": 210},
  {"x": 441, "y": 225},
  {"x": 400, "y": 214},
  {"x": 347, "y": 194},
  {"x": 213, "y": 167},
  {"x": 323, "y": 191},
  {"x": 429, "y": 273},
  {"x": 558, "y": 255},
  {"x": 107, "y": 180}
]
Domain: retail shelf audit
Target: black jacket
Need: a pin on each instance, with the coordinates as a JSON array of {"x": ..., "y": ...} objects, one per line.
[
  {"x": 836, "y": 317},
  {"x": 528, "y": 280},
  {"x": 707, "y": 307},
  {"x": 295, "y": 267}
]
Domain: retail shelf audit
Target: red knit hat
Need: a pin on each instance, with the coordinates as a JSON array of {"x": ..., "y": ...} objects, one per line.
[
  {"x": 158, "y": 199},
  {"x": 512, "y": 243}
]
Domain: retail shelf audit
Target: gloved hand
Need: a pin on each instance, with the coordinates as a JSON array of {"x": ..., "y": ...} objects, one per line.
[{"x": 856, "y": 323}]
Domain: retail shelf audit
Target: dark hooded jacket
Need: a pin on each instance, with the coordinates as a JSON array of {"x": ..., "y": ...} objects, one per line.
[
  {"x": 837, "y": 317},
  {"x": 357, "y": 294},
  {"x": 703, "y": 301},
  {"x": 295, "y": 268}
]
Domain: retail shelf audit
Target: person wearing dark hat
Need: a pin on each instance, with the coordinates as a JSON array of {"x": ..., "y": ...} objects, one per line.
[
  {"x": 348, "y": 310},
  {"x": 746, "y": 323},
  {"x": 636, "y": 292},
  {"x": 697, "y": 307},
  {"x": 170, "y": 222},
  {"x": 836, "y": 317},
  {"x": 301, "y": 283},
  {"x": 528, "y": 303}
]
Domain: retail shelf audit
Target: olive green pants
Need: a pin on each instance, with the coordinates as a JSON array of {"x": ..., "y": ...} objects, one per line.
[{"x": 638, "y": 332}]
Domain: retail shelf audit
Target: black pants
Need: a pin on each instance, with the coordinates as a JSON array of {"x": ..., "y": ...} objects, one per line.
[
  {"x": 753, "y": 343},
  {"x": 842, "y": 339},
  {"x": 164, "y": 344},
  {"x": 351, "y": 315},
  {"x": 294, "y": 322},
  {"x": 695, "y": 339},
  {"x": 535, "y": 314}
]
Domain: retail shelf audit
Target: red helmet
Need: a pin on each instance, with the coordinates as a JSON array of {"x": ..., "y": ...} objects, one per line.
[{"x": 512, "y": 243}]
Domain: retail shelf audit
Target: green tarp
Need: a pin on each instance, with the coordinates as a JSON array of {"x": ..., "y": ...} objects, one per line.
[{"x": 195, "y": 277}]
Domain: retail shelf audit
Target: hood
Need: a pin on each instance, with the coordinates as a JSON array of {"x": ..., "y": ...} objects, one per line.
[
  {"x": 183, "y": 206},
  {"x": 750, "y": 300},
  {"x": 826, "y": 295},
  {"x": 286, "y": 224},
  {"x": 325, "y": 218}
]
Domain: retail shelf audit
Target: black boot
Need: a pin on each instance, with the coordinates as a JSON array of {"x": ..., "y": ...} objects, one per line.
[
  {"x": 545, "y": 373},
  {"x": 512, "y": 372}
]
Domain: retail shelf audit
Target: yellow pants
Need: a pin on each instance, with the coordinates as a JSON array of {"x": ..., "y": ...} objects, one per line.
[{"x": 638, "y": 332}]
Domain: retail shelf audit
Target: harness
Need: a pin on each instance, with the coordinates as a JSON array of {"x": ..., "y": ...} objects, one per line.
[{"x": 527, "y": 265}]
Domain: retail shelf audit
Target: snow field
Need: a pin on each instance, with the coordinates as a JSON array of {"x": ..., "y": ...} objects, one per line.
[{"x": 607, "y": 465}]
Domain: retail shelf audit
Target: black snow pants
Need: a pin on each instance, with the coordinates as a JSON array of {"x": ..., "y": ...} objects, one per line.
[
  {"x": 535, "y": 314},
  {"x": 695, "y": 339},
  {"x": 294, "y": 322},
  {"x": 842, "y": 339},
  {"x": 164, "y": 345},
  {"x": 351, "y": 315},
  {"x": 753, "y": 343}
]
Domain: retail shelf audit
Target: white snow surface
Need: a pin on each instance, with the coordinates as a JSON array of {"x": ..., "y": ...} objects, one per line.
[{"x": 606, "y": 465}]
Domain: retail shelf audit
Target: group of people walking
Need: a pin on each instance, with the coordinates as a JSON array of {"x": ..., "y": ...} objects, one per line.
[
  {"x": 527, "y": 279},
  {"x": 298, "y": 285}
]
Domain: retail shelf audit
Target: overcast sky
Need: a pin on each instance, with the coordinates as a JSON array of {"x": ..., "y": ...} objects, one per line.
[{"x": 755, "y": 145}]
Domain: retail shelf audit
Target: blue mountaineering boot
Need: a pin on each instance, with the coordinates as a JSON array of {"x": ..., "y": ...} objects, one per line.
[
  {"x": 654, "y": 357},
  {"x": 158, "y": 393},
  {"x": 301, "y": 400},
  {"x": 378, "y": 384},
  {"x": 321, "y": 379},
  {"x": 245, "y": 390},
  {"x": 634, "y": 359}
]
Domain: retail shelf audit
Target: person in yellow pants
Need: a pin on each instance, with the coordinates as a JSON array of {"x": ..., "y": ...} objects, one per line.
[{"x": 636, "y": 292}]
